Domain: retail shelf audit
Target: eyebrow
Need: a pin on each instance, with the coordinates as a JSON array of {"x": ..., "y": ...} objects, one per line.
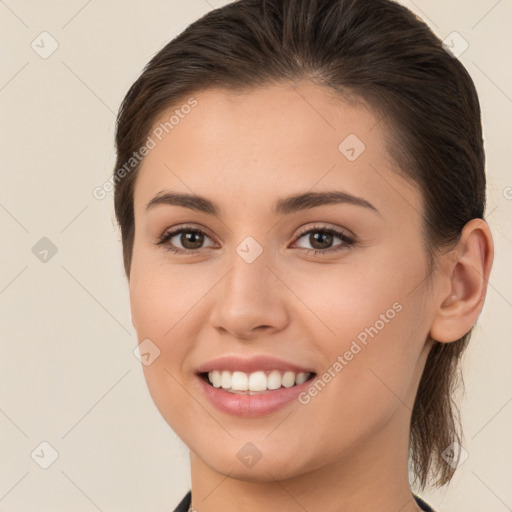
[{"x": 284, "y": 206}]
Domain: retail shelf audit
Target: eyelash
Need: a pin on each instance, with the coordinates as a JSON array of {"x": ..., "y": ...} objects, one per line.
[{"x": 348, "y": 241}]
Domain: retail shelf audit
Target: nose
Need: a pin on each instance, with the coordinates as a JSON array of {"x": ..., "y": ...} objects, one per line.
[{"x": 250, "y": 300}]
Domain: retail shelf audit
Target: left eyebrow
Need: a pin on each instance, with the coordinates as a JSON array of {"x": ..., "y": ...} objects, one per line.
[
  {"x": 283, "y": 206},
  {"x": 312, "y": 199}
]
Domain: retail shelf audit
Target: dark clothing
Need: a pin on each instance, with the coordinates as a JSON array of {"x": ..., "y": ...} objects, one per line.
[
  {"x": 423, "y": 505},
  {"x": 185, "y": 504}
]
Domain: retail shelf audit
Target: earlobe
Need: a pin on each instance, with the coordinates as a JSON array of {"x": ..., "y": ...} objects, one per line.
[{"x": 466, "y": 278}]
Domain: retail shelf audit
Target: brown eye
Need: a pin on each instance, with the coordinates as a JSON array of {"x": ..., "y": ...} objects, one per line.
[
  {"x": 321, "y": 240},
  {"x": 190, "y": 240}
]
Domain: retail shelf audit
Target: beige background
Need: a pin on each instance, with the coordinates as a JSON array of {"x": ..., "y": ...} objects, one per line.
[{"x": 67, "y": 370}]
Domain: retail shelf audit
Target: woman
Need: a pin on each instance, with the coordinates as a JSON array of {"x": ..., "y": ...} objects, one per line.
[{"x": 300, "y": 189}]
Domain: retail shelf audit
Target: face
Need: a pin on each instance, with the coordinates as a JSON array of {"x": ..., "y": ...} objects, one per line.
[{"x": 330, "y": 284}]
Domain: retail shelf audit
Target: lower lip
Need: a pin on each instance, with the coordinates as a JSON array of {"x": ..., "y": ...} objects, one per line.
[{"x": 252, "y": 405}]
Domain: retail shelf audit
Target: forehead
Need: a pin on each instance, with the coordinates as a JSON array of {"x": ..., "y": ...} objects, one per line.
[
  {"x": 257, "y": 143},
  {"x": 300, "y": 114}
]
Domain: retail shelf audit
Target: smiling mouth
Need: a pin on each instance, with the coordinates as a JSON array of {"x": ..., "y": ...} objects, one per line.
[{"x": 254, "y": 383}]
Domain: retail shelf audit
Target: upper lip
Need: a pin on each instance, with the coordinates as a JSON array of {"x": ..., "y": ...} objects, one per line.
[{"x": 250, "y": 364}]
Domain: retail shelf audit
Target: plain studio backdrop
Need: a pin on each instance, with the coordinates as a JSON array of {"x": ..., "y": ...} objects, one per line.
[{"x": 78, "y": 428}]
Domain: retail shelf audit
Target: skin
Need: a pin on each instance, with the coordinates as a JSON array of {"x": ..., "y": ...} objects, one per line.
[{"x": 347, "y": 448}]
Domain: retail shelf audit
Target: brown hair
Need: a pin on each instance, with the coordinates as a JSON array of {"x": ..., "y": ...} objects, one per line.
[{"x": 380, "y": 53}]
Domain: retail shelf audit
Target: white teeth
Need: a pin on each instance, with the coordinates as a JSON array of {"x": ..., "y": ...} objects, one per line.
[
  {"x": 288, "y": 379},
  {"x": 215, "y": 378},
  {"x": 239, "y": 381},
  {"x": 301, "y": 377},
  {"x": 256, "y": 381},
  {"x": 225, "y": 380},
  {"x": 274, "y": 380}
]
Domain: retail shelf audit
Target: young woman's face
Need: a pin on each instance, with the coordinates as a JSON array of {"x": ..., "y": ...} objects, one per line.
[{"x": 249, "y": 283}]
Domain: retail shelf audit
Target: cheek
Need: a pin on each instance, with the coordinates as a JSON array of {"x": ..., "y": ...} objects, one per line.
[
  {"x": 346, "y": 300},
  {"x": 162, "y": 295},
  {"x": 164, "y": 305},
  {"x": 370, "y": 362},
  {"x": 164, "y": 310},
  {"x": 368, "y": 317}
]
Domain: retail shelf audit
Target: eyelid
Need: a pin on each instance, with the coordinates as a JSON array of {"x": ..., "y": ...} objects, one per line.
[
  {"x": 325, "y": 227},
  {"x": 168, "y": 234},
  {"x": 347, "y": 237}
]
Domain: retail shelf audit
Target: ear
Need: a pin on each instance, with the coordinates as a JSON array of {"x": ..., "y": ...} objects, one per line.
[{"x": 463, "y": 283}]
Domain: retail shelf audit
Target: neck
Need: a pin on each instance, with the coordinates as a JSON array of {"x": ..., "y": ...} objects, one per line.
[{"x": 372, "y": 476}]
